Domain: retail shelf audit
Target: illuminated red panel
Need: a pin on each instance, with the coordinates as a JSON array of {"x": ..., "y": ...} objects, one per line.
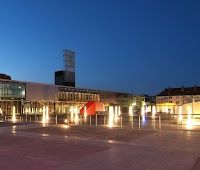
[{"x": 93, "y": 107}]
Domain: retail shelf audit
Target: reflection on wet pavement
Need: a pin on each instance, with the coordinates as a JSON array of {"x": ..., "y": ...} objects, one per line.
[{"x": 76, "y": 147}]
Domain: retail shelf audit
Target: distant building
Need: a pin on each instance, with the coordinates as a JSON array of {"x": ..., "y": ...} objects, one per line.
[
  {"x": 170, "y": 98},
  {"x": 4, "y": 76},
  {"x": 150, "y": 100}
]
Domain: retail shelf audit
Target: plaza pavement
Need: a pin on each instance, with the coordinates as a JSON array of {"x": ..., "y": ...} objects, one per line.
[{"x": 31, "y": 146}]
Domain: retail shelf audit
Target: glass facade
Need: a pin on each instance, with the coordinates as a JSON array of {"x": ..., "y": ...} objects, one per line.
[
  {"x": 12, "y": 96},
  {"x": 12, "y": 90}
]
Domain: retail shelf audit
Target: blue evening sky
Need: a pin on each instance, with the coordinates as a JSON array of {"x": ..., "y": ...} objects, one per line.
[{"x": 139, "y": 46}]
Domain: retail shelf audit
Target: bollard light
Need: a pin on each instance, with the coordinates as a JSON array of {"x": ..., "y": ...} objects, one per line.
[{"x": 66, "y": 121}]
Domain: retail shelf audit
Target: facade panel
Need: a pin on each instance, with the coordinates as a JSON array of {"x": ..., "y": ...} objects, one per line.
[{"x": 41, "y": 92}]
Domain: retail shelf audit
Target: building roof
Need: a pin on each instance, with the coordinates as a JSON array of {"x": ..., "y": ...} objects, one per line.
[
  {"x": 75, "y": 89},
  {"x": 180, "y": 91}
]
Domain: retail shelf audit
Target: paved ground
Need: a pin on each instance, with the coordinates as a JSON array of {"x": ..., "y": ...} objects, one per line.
[{"x": 57, "y": 147}]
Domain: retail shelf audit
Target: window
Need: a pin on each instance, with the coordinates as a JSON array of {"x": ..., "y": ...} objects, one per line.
[{"x": 12, "y": 90}]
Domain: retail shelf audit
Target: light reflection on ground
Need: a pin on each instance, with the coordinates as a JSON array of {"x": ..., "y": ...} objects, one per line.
[{"x": 84, "y": 147}]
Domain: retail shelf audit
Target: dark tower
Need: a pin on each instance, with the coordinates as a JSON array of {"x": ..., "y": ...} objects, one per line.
[{"x": 66, "y": 77}]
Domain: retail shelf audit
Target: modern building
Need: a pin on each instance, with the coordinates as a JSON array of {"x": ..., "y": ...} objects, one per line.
[
  {"x": 170, "y": 98},
  {"x": 30, "y": 98}
]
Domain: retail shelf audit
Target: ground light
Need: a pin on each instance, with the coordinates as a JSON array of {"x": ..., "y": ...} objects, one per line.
[
  {"x": 14, "y": 114},
  {"x": 153, "y": 111},
  {"x": 116, "y": 114},
  {"x": 74, "y": 114},
  {"x": 65, "y": 126},
  {"x": 110, "y": 117},
  {"x": 45, "y": 115},
  {"x": 65, "y": 121},
  {"x": 130, "y": 110},
  {"x": 143, "y": 113},
  {"x": 85, "y": 113},
  {"x": 189, "y": 123},
  {"x": 119, "y": 111},
  {"x": 14, "y": 129},
  {"x": 76, "y": 118},
  {"x": 71, "y": 113},
  {"x": 180, "y": 116},
  {"x": 189, "y": 118}
]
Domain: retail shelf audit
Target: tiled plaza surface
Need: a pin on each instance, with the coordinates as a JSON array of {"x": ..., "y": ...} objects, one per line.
[{"x": 31, "y": 146}]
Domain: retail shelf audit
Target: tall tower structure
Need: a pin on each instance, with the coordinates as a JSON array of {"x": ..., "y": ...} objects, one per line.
[
  {"x": 69, "y": 60},
  {"x": 66, "y": 77}
]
